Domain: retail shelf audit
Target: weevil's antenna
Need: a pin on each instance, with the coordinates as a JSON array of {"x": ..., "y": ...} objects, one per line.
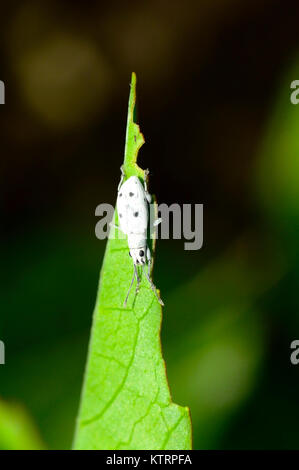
[
  {"x": 152, "y": 286},
  {"x": 132, "y": 282}
]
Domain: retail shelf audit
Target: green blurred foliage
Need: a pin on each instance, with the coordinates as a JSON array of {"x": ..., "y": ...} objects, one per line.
[{"x": 17, "y": 432}]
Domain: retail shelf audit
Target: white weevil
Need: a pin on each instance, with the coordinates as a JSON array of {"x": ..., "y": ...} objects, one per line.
[{"x": 132, "y": 208}]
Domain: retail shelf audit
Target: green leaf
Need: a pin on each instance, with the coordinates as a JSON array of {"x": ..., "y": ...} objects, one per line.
[
  {"x": 17, "y": 431},
  {"x": 126, "y": 403}
]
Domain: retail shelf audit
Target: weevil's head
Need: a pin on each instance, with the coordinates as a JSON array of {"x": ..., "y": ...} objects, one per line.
[{"x": 138, "y": 255}]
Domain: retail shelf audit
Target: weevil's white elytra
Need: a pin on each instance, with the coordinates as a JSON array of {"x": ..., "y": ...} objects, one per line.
[
  {"x": 133, "y": 212},
  {"x": 132, "y": 208}
]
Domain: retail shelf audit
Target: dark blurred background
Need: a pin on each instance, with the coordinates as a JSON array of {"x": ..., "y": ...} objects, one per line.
[{"x": 214, "y": 106}]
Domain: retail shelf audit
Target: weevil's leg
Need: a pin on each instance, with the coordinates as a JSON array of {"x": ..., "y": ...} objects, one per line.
[
  {"x": 121, "y": 178},
  {"x": 146, "y": 173},
  {"x": 149, "y": 260},
  {"x": 115, "y": 235},
  {"x": 115, "y": 226},
  {"x": 132, "y": 282},
  {"x": 153, "y": 287},
  {"x": 147, "y": 194},
  {"x": 138, "y": 281},
  {"x": 147, "y": 275}
]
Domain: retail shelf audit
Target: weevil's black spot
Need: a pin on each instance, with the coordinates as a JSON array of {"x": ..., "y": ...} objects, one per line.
[
  {"x": 136, "y": 214},
  {"x": 120, "y": 194},
  {"x": 131, "y": 194},
  {"x": 141, "y": 253},
  {"x": 120, "y": 215}
]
